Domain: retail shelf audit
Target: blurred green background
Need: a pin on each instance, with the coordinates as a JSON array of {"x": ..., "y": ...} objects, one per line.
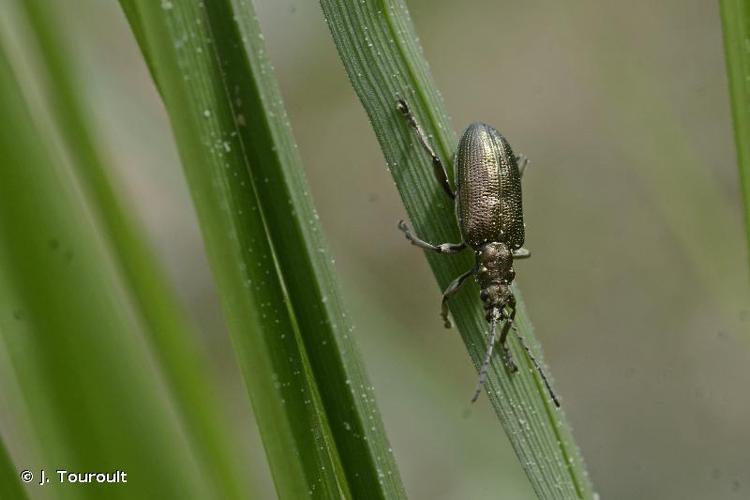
[{"x": 638, "y": 285}]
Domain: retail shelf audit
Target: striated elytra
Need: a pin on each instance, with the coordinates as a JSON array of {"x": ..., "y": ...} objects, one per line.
[{"x": 489, "y": 210}]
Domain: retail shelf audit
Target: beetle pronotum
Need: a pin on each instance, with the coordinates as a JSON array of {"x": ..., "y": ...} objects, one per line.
[{"x": 490, "y": 217}]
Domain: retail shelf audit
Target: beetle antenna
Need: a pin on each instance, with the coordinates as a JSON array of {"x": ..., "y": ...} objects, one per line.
[
  {"x": 537, "y": 366},
  {"x": 487, "y": 355}
]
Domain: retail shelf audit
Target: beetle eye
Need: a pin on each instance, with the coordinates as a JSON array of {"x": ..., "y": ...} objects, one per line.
[{"x": 484, "y": 295}]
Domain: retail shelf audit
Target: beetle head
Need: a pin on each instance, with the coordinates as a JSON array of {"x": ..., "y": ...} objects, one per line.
[{"x": 495, "y": 297}]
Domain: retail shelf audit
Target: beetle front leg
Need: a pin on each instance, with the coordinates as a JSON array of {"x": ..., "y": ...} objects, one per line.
[
  {"x": 441, "y": 174},
  {"x": 445, "y": 248},
  {"x": 449, "y": 292}
]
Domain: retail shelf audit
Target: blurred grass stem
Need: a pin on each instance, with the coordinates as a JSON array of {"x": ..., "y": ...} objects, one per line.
[{"x": 735, "y": 17}]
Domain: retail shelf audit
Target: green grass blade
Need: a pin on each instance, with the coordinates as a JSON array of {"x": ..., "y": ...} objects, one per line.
[
  {"x": 167, "y": 326},
  {"x": 735, "y": 18},
  {"x": 94, "y": 401},
  {"x": 314, "y": 405},
  {"x": 379, "y": 48},
  {"x": 10, "y": 482}
]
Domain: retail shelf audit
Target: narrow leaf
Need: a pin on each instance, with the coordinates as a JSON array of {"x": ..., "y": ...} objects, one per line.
[
  {"x": 174, "y": 339},
  {"x": 10, "y": 482},
  {"x": 313, "y": 402},
  {"x": 380, "y": 51},
  {"x": 94, "y": 400},
  {"x": 735, "y": 18}
]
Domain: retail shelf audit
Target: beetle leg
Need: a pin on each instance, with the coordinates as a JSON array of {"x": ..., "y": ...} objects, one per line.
[
  {"x": 510, "y": 366},
  {"x": 445, "y": 248},
  {"x": 528, "y": 353},
  {"x": 449, "y": 292},
  {"x": 487, "y": 355},
  {"x": 523, "y": 162},
  {"x": 441, "y": 174},
  {"x": 521, "y": 253}
]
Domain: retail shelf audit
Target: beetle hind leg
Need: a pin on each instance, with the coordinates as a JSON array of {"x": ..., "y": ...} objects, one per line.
[
  {"x": 508, "y": 325},
  {"x": 449, "y": 292},
  {"x": 510, "y": 365}
]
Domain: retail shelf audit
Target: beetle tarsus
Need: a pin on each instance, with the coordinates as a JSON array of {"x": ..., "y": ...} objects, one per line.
[
  {"x": 446, "y": 320},
  {"x": 404, "y": 227},
  {"x": 510, "y": 365},
  {"x": 449, "y": 292},
  {"x": 403, "y": 107}
]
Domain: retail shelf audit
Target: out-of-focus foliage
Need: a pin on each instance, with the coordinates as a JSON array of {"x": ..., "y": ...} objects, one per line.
[
  {"x": 637, "y": 285},
  {"x": 165, "y": 323},
  {"x": 91, "y": 397},
  {"x": 735, "y": 16},
  {"x": 10, "y": 486}
]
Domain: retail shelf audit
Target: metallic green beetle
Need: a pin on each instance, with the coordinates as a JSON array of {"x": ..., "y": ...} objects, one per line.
[{"x": 489, "y": 210}]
